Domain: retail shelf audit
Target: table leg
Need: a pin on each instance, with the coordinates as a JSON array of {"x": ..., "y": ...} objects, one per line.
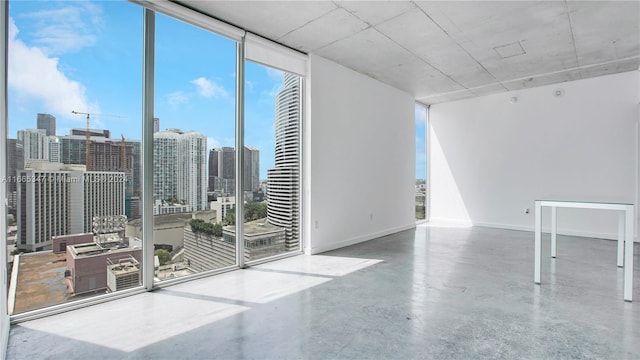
[
  {"x": 537, "y": 247},
  {"x": 628, "y": 256},
  {"x": 554, "y": 231},
  {"x": 621, "y": 238}
]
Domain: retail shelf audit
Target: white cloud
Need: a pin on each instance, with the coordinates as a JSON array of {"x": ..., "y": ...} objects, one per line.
[
  {"x": 33, "y": 74},
  {"x": 209, "y": 88},
  {"x": 177, "y": 98},
  {"x": 66, "y": 29}
]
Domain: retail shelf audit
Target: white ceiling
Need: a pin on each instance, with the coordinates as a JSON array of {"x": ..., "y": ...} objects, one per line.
[{"x": 447, "y": 50}]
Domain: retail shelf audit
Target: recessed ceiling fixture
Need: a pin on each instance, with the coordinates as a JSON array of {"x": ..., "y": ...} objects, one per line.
[
  {"x": 558, "y": 92},
  {"x": 513, "y": 100},
  {"x": 510, "y": 50}
]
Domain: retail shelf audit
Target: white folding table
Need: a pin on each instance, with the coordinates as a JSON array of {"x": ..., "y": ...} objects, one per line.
[{"x": 625, "y": 235}]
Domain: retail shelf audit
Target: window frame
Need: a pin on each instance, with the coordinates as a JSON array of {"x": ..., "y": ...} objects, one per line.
[{"x": 271, "y": 53}]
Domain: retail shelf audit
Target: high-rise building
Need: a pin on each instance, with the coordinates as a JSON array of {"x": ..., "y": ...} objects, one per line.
[
  {"x": 165, "y": 165},
  {"x": 47, "y": 122},
  {"x": 156, "y": 125},
  {"x": 107, "y": 155},
  {"x": 15, "y": 162},
  {"x": 54, "y": 149},
  {"x": 283, "y": 179},
  {"x": 179, "y": 168},
  {"x": 213, "y": 168},
  {"x": 222, "y": 166},
  {"x": 35, "y": 144},
  {"x": 227, "y": 163},
  {"x": 192, "y": 174},
  {"x": 63, "y": 199},
  {"x": 222, "y": 170},
  {"x": 251, "y": 168}
]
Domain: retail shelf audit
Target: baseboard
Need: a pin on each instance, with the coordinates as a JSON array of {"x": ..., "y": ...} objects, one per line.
[
  {"x": 570, "y": 232},
  {"x": 358, "y": 239}
]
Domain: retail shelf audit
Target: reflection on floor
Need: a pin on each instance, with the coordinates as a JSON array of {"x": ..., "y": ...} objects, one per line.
[{"x": 443, "y": 293}]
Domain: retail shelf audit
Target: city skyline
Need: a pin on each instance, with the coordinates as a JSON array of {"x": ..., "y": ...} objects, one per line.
[
  {"x": 53, "y": 39},
  {"x": 200, "y": 97}
]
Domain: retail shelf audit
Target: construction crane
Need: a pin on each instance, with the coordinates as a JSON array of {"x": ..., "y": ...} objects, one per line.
[
  {"x": 123, "y": 154},
  {"x": 88, "y": 135}
]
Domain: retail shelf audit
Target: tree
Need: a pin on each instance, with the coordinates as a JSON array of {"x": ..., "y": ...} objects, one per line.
[
  {"x": 255, "y": 210},
  {"x": 201, "y": 226},
  {"x": 230, "y": 217},
  {"x": 217, "y": 230},
  {"x": 163, "y": 256}
]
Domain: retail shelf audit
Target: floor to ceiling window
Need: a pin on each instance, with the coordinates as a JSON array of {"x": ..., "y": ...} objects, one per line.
[
  {"x": 73, "y": 151},
  {"x": 83, "y": 168},
  {"x": 194, "y": 153},
  {"x": 271, "y": 161},
  {"x": 421, "y": 161}
]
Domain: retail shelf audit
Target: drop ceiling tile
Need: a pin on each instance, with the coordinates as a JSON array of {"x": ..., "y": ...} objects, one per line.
[
  {"x": 368, "y": 50},
  {"x": 605, "y": 31},
  {"x": 376, "y": 12},
  {"x": 417, "y": 77},
  {"x": 333, "y": 26},
  {"x": 416, "y": 31},
  {"x": 542, "y": 30},
  {"x": 375, "y": 55},
  {"x": 271, "y": 19},
  {"x": 613, "y": 67}
]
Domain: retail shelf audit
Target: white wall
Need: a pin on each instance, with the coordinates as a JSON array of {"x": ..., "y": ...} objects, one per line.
[
  {"x": 359, "y": 152},
  {"x": 491, "y": 158}
]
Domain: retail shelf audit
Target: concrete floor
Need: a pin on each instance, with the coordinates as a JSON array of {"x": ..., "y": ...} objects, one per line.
[{"x": 432, "y": 293}]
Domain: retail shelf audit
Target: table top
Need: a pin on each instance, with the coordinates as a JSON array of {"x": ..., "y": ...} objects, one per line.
[{"x": 587, "y": 204}]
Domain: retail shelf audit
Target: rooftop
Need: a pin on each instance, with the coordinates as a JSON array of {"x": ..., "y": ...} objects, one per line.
[
  {"x": 40, "y": 281},
  {"x": 256, "y": 227},
  {"x": 164, "y": 219}
]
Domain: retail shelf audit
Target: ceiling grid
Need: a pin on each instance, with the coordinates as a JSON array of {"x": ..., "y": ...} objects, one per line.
[{"x": 447, "y": 50}]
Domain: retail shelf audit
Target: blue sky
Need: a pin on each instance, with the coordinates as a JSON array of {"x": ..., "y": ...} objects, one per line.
[{"x": 87, "y": 56}]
